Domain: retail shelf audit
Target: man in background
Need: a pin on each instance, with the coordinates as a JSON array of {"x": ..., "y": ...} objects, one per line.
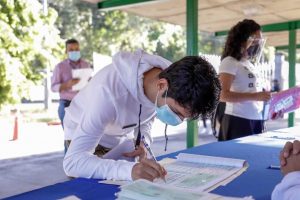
[{"x": 62, "y": 80}]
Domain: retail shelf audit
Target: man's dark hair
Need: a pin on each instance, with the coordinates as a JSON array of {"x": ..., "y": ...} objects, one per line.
[
  {"x": 237, "y": 36},
  {"x": 71, "y": 41},
  {"x": 194, "y": 85}
]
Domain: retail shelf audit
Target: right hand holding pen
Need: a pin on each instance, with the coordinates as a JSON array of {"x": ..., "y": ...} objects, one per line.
[{"x": 148, "y": 169}]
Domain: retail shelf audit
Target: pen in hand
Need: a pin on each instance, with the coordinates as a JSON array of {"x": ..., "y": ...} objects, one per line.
[{"x": 151, "y": 153}]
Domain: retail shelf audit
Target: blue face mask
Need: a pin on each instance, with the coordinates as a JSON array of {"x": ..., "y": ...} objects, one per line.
[
  {"x": 166, "y": 115},
  {"x": 74, "y": 55}
]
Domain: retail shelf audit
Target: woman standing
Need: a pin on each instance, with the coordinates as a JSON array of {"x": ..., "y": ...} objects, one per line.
[{"x": 241, "y": 88}]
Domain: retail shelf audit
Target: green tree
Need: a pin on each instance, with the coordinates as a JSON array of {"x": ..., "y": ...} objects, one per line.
[
  {"x": 97, "y": 31},
  {"x": 209, "y": 44},
  {"x": 107, "y": 32},
  {"x": 174, "y": 48},
  {"x": 29, "y": 42}
]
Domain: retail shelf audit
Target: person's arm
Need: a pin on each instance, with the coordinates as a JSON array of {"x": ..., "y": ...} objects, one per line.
[
  {"x": 55, "y": 79},
  {"x": 56, "y": 82},
  {"x": 68, "y": 85},
  {"x": 80, "y": 161},
  {"x": 227, "y": 95},
  {"x": 289, "y": 187}
]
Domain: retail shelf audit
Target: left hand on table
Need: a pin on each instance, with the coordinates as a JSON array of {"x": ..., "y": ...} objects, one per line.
[{"x": 140, "y": 152}]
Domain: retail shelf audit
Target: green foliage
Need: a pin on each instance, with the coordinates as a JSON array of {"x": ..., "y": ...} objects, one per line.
[
  {"x": 28, "y": 43},
  {"x": 209, "y": 44},
  {"x": 107, "y": 32},
  {"x": 174, "y": 49},
  {"x": 30, "y": 40},
  {"x": 96, "y": 31}
]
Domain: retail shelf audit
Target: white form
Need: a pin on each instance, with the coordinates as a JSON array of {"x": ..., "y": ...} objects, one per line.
[
  {"x": 201, "y": 173},
  {"x": 146, "y": 190},
  {"x": 84, "y": 75}
]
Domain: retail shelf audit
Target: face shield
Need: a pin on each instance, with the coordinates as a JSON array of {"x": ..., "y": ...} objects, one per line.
[{"x": 255, "y": 49}]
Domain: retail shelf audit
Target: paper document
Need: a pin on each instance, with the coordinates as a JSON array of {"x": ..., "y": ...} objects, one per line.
[
  {"x": 200, "y": 173},
  {"x": 285, "y": 101},
  {"x": 146, "y": 190},
  {"x": 196, "y": 172},
  {"x": 84, "y": 75}
]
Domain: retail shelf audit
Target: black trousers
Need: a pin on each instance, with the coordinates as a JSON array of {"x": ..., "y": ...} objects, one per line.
[{"x": 234, "y": 127}]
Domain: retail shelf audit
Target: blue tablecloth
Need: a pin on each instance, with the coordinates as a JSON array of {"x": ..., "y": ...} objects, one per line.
[{"x": 258, "y": 181}]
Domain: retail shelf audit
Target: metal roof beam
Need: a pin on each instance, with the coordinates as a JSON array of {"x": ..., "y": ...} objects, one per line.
[
  {"x": 116, "y": 4},
  {"x": 283, "y": 26},
  {"x": 286, "y": 47}
]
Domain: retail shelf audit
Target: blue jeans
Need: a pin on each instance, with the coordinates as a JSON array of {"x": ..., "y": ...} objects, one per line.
[
  {"x": 61, "y": 109},
  {"x": 61, "y": 113}
]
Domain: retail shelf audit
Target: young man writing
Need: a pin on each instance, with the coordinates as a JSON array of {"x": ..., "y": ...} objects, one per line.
[{"x": 131, "y": 91}]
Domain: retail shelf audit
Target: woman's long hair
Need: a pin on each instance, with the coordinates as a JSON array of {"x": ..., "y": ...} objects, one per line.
[{"x": 237, "y": 37}]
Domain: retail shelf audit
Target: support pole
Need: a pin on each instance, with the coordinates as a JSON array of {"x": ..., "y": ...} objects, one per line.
[
  {"x": 192, "y": 50},
  {"x": 292, "y": 64}
]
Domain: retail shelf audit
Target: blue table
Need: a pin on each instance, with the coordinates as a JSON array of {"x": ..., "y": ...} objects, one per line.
[{"x": 260, "y": 151}]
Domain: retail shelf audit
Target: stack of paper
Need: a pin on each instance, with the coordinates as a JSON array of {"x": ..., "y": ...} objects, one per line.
[
  {"x": 201, "y": 173},
  {"x": 145, "y": 190},
  {"x": 188, "y": 177},
  {"x": 197, "y": 172}
]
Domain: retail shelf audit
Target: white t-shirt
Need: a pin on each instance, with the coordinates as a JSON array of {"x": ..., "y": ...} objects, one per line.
[{"x": 246, "y": 79}]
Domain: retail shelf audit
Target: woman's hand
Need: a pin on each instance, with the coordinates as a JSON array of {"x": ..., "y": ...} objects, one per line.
[{"x": 263, "y": 96}]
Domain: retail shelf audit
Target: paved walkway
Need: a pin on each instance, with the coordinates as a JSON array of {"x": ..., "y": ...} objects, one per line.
[{"x": 35, "y": 159}]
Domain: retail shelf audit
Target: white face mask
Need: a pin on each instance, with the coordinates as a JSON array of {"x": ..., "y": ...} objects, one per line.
[
  {"x": 74, "y": 55},
  {"x": 165, "y": 114}
]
